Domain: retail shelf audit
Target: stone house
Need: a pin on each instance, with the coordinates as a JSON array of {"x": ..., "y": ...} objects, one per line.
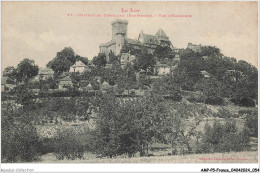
[
  {"x": 80, "y": 67},
  {"x": 45, "y": 73},
  {"x": 67, "y": 82}
]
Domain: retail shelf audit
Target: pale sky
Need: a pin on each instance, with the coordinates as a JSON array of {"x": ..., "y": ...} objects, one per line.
[{"x": 38, "y": 30}]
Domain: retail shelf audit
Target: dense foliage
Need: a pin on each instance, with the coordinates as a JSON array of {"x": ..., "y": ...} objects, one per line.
[
  {"x": 223, "y": 138},
  {"x": 64, "y": 59},
  {"x": 19, "y": 142}
]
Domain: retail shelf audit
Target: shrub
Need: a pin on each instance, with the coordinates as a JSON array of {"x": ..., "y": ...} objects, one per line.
[
  {"x": 20, "y": 143},
  {"x": 223, "y": 138},
  {"x": 195, "y": 98},
  {"x": 224, "y": 113},
  {"x": 215, "y": 101},
  {"x": 68, "y": 145},
  {"x": 252, "y": 123},
  {"x": 247, "y": 102},
  {"x": 176, "y": 96}
]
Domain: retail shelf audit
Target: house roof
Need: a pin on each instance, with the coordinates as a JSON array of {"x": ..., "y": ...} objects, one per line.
[
  {"x": 161, "y": 33},
  {"x": 67, "y": 78},
  {"x": 46, "y": 71},
  {"x": 205, "y": 73},
  {"x": 105, "y": 85},
  {"x": 89, "y": 86},
  {"x": 79, "y": 64},
  {"x": 83, "y": 81}
]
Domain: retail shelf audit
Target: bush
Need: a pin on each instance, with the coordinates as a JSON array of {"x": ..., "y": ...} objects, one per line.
[
  {"x": 68, "y": 145},
  {"x": 224, "y": 113},
  {"x": 176, "y": 96},
  {"x": 195, "y": 98},
  {"x": 215, "y": 101},
  {"x": 223, "y": 138},
  {"x": 252, "y": 123},
  {"x": 247, "y": 102},
  {"x": 20, "y": 143}
]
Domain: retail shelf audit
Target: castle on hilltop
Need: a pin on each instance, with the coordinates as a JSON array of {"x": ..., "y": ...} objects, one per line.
[{"x": 119, "y": 39}]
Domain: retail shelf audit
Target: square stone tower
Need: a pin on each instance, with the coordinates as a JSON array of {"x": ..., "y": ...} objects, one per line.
[{"x": 119, "y": 33}]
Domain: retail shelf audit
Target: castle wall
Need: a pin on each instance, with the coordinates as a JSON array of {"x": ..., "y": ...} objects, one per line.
[{"x": 120, "y": 41}]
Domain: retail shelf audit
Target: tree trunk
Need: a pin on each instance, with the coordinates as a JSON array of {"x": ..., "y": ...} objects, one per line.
[{"x": 147, "y": 149}]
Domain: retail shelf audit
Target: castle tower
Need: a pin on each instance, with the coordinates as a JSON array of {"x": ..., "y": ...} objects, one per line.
[{"x": 119, "y": 33}]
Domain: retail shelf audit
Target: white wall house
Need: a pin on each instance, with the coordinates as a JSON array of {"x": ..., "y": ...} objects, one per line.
[{"x": 79, "y": 67}]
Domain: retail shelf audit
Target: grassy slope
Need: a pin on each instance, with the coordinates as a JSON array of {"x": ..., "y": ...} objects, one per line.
[{"x": 232, "y": 157}]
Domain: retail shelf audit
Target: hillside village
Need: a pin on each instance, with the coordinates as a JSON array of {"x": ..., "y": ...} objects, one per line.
[
  {"x": 116, "y": 46},
  {"x": 135, "y": 98}
]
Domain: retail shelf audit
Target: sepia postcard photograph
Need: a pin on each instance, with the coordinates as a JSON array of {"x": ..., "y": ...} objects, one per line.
[{"x": 172, "y": 82}]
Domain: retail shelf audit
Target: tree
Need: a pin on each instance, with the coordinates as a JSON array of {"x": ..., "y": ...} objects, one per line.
[
  {"x": 144, "y": 80},
  {"x": 164, "y": 52},
  {"x": 127, "y": 79},
  {"x": 128, "y": 48},
  {"x": 210, "y": 51},
  {"x": 10, "y": 72},
  {"x": 26, "y": 69},
  {"x": 126, "y": 127},
  {"x": 63, "y": 60},
  {"x": 168, "y": 85},
  {"x": 23, "y": 95},
  {"x": 82, "y": 59},
  {"x": 19, "y": 141},
  {"x": 113, "y": 59},
  {"x": 144, "y": 61},
  {"x": 100, "y": 60},
  {"x": 193, "y": 65},
  {"x": 212, "y": 91}
]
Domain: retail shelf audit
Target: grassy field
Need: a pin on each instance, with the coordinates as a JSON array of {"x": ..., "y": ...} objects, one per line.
[{"x": 232, "y": 157}]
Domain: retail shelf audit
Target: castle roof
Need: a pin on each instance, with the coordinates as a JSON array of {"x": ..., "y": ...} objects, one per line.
[
  {"x": 132, "y": 41},
  {"x": 150, "y": 39},
  {"x": 161, "y": 33},
  {"x": 119, "y": 21}
]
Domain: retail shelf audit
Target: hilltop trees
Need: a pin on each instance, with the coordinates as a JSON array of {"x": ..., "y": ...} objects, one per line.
[
  {"x": 26, "y": 69},
  {"x": 144, "y": 61},
  {"x": 211, "y": 90},
  {"x": 100, "y": 60},
  {"x": 10, "y": 72},
  {"x": 127, "y": 78},
  {"x": 64, "y": 59},
  {"x": 236, "y": 80}
]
